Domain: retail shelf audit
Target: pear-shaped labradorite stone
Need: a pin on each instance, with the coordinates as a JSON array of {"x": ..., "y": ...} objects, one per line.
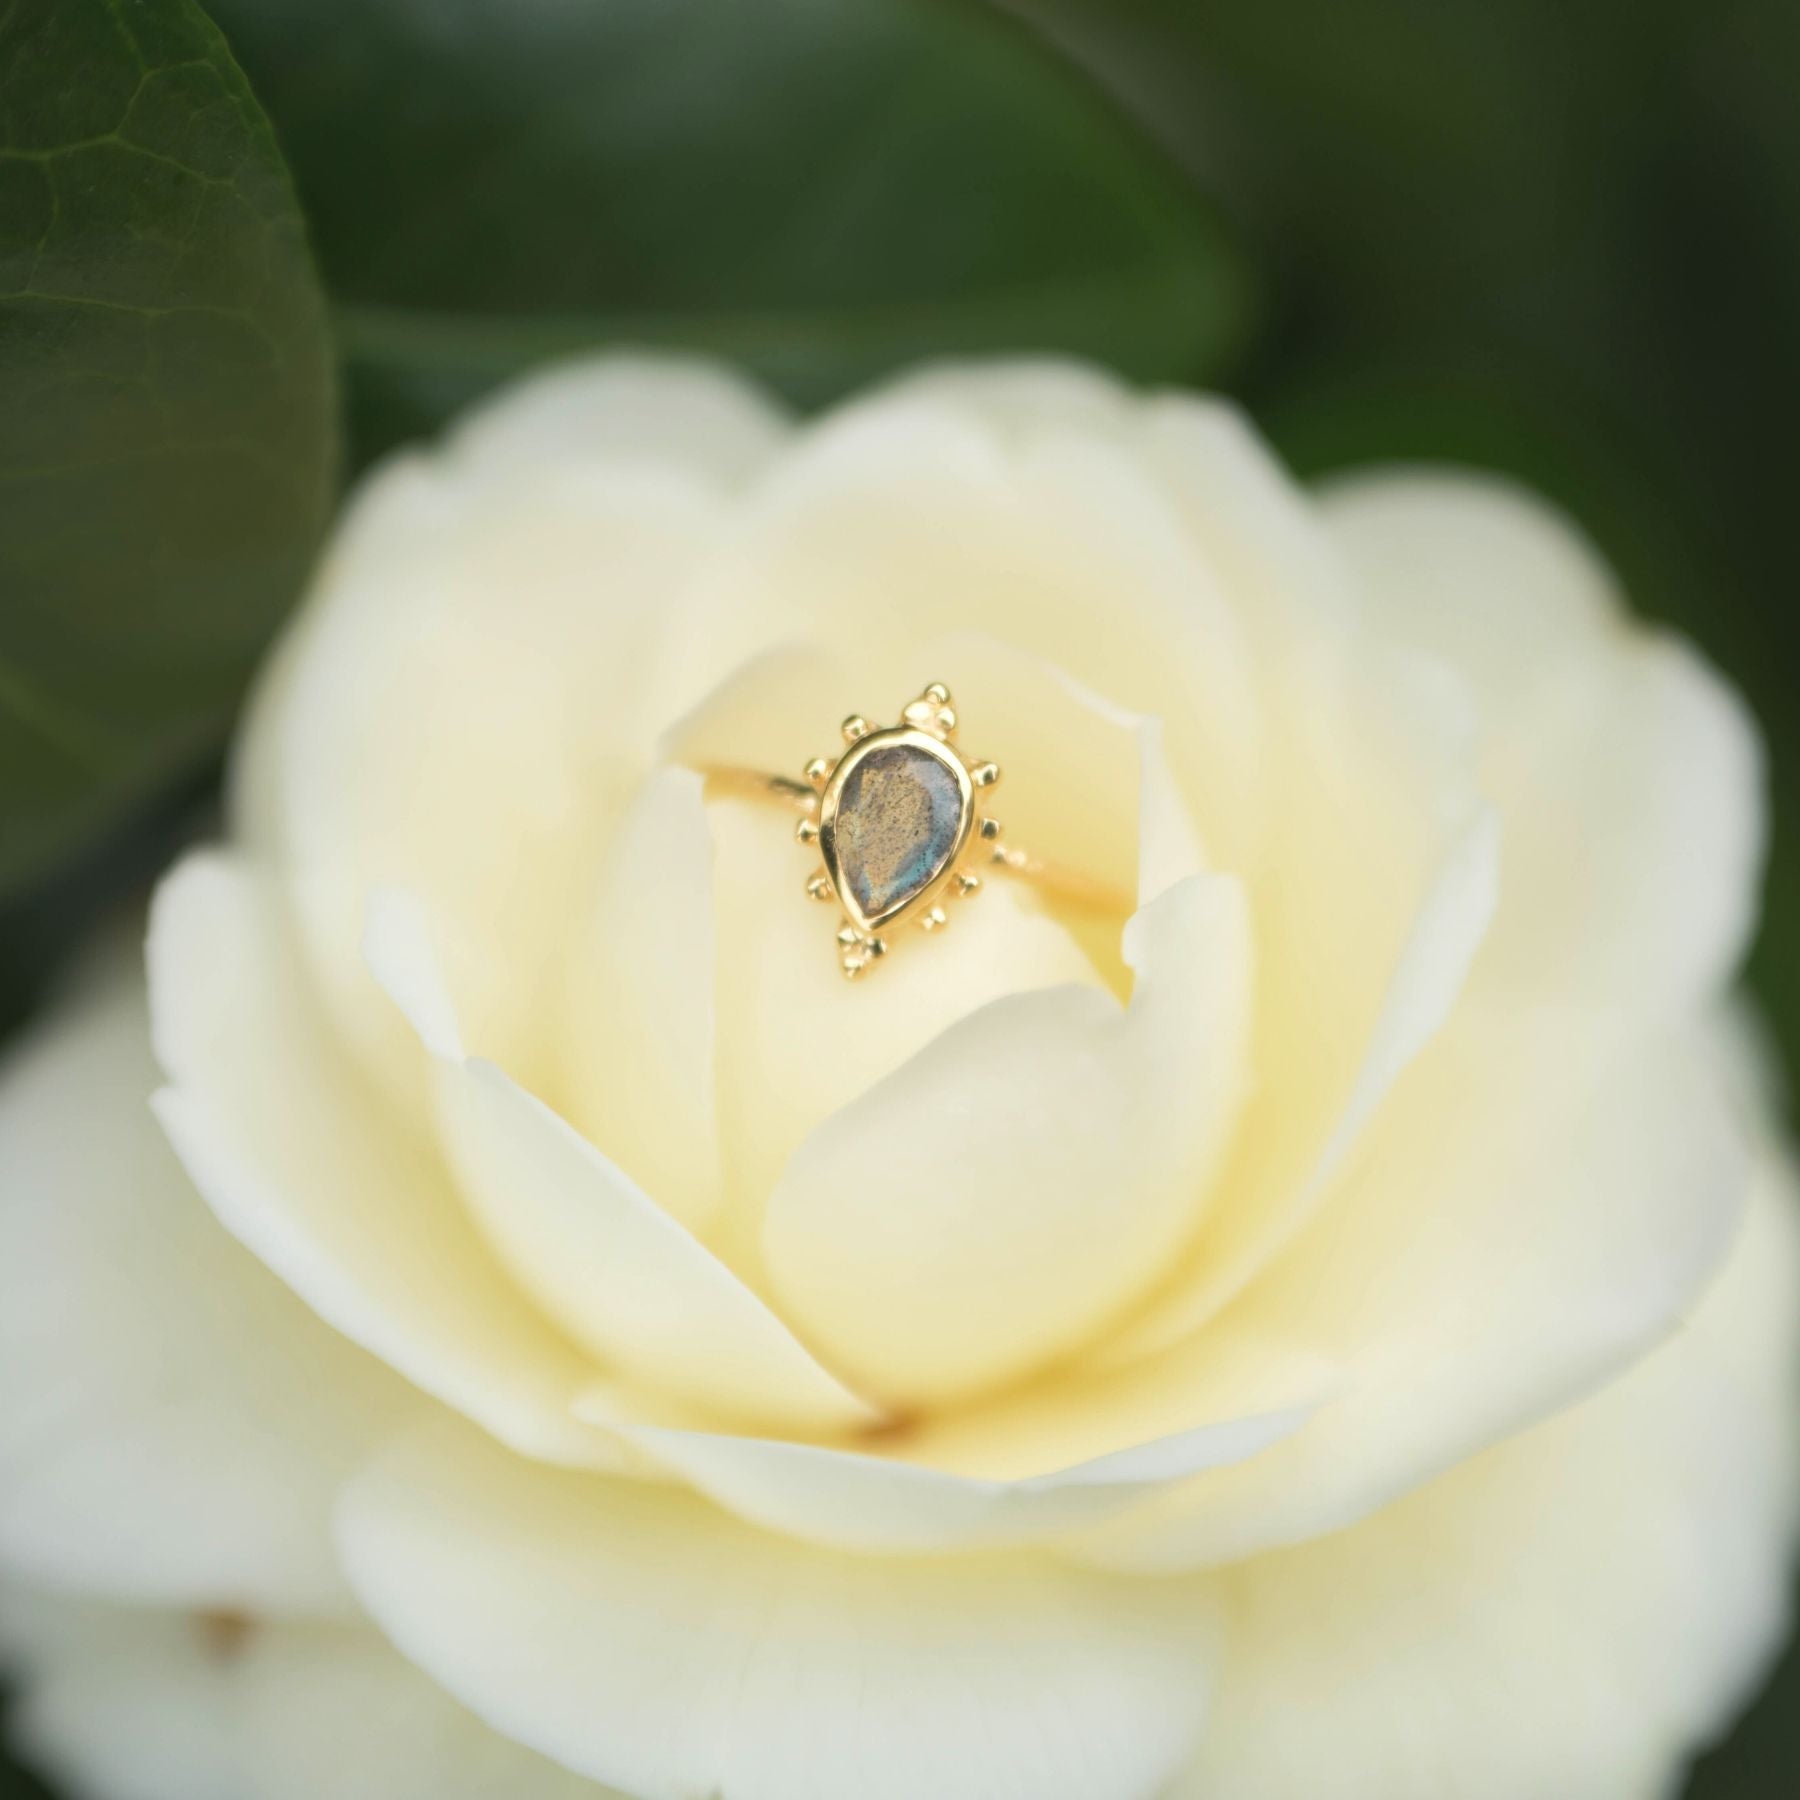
[{"x": 898, "y": 818}]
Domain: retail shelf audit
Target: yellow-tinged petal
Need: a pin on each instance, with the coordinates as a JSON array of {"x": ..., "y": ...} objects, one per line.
[
  {"x": 913, "y": 515},
  {"x": 627, "y": 1280},
  {"x": 990, "y": 1205},
  {"x": 879, "y": 1505},
  {"x": 300, "y": 1162},
  {"x": 647, "y": 1639},
  {"x": 475, "y": 684},
  {"x": 173, "y": 1422},
  {"x": 1516, "y": 1228},
  {"x": 139, "y": 1703},
  {"x": 1319, "y": 1093},
  {"x": 636, "y": 1074},
  {"x": 1627, "y": 775},
  {"x": 1574, "y": 1612}
]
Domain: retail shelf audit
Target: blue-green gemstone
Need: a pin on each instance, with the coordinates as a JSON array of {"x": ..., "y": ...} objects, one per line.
[{"x": 898, "y": 819}]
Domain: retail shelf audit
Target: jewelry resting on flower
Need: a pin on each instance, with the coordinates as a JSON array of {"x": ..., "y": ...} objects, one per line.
[{"x": 896, "y": 820}]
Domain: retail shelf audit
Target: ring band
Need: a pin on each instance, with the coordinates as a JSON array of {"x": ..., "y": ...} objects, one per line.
[{"x": 898, "y": 821}]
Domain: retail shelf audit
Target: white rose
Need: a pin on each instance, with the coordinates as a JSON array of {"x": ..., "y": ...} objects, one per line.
[{"x": 1335, "y": 1339}]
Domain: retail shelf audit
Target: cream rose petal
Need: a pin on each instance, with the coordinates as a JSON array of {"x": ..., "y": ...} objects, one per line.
[
  {"x": 1370, "y": 869},
  {"x": 1626, "y": 780},
  {"x": 993, "y": 1202},
  {"x": 1516, "y": 1229},
  {"x": 173, "y": 1423},
  {"x": 358, "y": 1217},
  {"x": 695, "y": 418},
  {"x": 889, "y": 1246},
  {"x": 144, "y": 1704},
  {"x": 1251, "y": 523},
  {"x": 1571, "y": 1613},
  {"x": 624, "y": 1278},
  {"x": 1306, "y": 1121},
  {"x": 1628, "y": 775},
  {"x": 792, "y": 1046},
  {"x": 788, "y": 1054},
  {"x": 646, "y": 1639},
  {"x": 1033, "y": 1465},
  {"x": 637, "y": 1073},
  {"x": 537, "y": 561},
  {"x": 880, "y": 1504},
  {"x": 915, "y": 515}
]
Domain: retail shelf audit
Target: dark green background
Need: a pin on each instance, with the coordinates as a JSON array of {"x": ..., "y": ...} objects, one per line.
[{"x": 1555, "y": 237}]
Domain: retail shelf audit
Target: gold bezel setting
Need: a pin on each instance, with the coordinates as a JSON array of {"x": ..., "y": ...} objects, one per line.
[
  {"x": 906, "y": 815},
  {"x": 928, "y": 730}
]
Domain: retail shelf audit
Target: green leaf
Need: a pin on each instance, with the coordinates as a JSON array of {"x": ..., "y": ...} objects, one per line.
[
  {"x": 820, "y": 190},
  {"x": 166, "y": 426}
]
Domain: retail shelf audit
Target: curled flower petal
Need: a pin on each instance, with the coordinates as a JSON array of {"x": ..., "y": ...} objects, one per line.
[
  {"x": 173, "y": 1422},
  {"x": 538, "y": 561},
  {"x": 1277, "y": 1179},
  {"x": 644, "y": 1638},
  {"x": 1024, "y": 1177},
  {"x": 624, "y": 1278},
  {"x": 637, "y": 1073},
  {"x": 297, "y": 1162},
  {"x": 1507, "y": 1198},
  {"x": 880, "y": 1504},
  {"x": 1615, "y": 1577},
  {"x": 1627, "y": 774}
]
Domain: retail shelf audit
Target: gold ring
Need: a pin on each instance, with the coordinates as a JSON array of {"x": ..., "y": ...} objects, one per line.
[{"x": 899, "y": 823}]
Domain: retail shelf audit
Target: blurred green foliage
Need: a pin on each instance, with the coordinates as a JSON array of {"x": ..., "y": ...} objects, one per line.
[
  {"x": 821, "y": 192},
  {"x": 1560, "y": 240},
  {"x": 167, "y": 438}
]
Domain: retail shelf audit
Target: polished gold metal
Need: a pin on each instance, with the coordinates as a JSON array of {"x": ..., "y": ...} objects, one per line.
[
  {"x": 928, "y": 731},
  {"x": 926, "y": 735}
]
